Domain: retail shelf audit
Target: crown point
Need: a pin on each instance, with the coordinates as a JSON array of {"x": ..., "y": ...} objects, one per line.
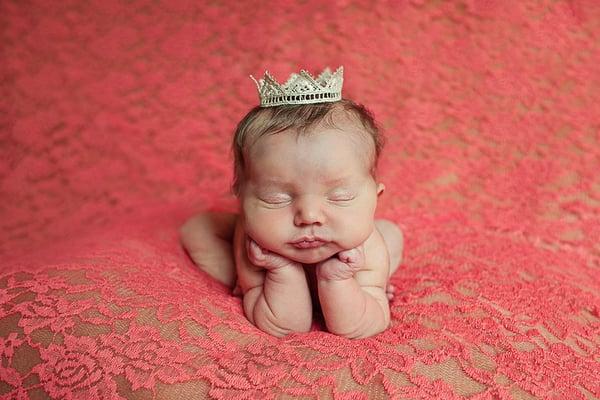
[
  {"x": 256, "y": 82},
  {"x": 301, "y": 88}
]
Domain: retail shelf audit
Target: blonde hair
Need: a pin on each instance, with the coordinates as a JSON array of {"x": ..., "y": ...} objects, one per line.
[{"x": 261, "y": 121}]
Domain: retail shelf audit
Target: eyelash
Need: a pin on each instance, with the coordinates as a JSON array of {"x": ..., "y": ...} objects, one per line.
[
  {"x": 284, "y": 201},
  {"x": 273, "y": 201},
  {"x": 341, "y": 198}
]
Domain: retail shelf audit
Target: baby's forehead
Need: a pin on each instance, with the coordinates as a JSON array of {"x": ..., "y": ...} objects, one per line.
[
  {"x": 349, "y": 145},
  {"x": 338, "y": 158},
  {"x": 284, "y": 138}
]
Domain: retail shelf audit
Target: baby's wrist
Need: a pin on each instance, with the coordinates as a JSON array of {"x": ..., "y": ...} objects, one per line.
[
  {"x": 282, "y": 267},
  {"x": 334, "y": 280},
  {"x": 333, "y": 270}
]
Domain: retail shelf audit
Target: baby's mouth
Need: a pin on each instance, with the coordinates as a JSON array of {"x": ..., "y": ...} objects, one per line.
[{"x": 308, "y": 243}]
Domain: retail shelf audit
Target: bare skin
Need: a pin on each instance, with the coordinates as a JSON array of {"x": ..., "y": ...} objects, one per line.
[
  {"x": 306, "y": 225},
  {"x": 209, "y": 237}
]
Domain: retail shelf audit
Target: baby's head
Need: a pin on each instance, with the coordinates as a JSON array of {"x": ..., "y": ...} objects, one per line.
[
  {"x": 306, "y": 177},
  {"x": 303, "y": 120}
]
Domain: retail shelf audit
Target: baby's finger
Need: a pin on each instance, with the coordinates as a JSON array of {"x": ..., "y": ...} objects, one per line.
[
  {"x": 254, "y": 250},
  {"x": 353, "y": 257}
]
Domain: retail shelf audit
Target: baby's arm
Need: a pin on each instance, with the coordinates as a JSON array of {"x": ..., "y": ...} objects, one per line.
[
  {"x": 353, "y": 295},
  {"x": 276, "y": 294}
]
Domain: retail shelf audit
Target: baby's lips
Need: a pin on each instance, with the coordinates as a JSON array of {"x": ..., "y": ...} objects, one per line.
[{"x": 309, "y": 244}]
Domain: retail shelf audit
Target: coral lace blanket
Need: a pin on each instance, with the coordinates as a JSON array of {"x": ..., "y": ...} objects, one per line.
[{"x": 115, "y": 122}]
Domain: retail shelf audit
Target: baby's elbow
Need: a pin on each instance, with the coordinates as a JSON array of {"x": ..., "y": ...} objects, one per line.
[
  {"x": 281, "y": 328},
  {"x": 372, "y": 322},
  {"x": 363, "y": 332},
  {"x": 258, "y": 312},
  {"x": 283, "y": 331},
  {"x": 367, "y": 332}
]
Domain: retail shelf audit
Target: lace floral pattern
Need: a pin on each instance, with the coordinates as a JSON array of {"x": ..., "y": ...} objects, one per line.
[{"x": 115, "y": 127}]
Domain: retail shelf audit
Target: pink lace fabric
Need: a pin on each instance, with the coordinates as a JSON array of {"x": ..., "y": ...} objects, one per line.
[{"x": 115, "y": 125}]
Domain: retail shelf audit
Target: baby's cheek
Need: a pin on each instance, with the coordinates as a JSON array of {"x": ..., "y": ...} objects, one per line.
[
  {"x": 354, "y": 230},
  {"x": 265, "y": 227}
]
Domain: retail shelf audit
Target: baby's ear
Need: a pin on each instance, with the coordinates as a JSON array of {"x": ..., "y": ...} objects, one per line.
[{"x": 380, "y": 188}]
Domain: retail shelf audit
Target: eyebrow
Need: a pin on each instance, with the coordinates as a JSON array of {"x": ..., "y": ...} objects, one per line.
[
  {"x": 282, "y": 183},
  {"x": 338, "y": 181},
  {"x": 274, "y": 182}
]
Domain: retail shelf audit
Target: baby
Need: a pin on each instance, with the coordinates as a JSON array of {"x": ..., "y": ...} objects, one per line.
[{"x": 305, "y": 178}]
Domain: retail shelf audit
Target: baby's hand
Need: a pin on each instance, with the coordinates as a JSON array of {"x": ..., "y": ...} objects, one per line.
[
  {"x": 265, "y": 258},
  {"x": 343, "y": 266}
]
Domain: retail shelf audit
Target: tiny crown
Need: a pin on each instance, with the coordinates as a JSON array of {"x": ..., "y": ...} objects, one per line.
[{"x": 301, "y": 88}]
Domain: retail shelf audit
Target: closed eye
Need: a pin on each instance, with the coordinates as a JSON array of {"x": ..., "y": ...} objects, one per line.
[
  {"x": 341, "y": 199},
  {"x": 276, "y": 200}
]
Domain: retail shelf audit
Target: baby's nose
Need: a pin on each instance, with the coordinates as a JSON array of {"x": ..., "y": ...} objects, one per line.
[{"x": 308, "y": 211}]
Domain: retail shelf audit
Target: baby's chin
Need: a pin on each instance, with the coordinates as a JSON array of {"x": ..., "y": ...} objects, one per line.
[{"x": 311, "y": 256}]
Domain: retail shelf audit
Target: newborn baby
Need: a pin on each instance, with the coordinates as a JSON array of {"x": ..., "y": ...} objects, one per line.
[{"x": 305, "y": 178}]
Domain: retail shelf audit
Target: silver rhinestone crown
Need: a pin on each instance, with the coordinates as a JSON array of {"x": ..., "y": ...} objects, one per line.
[{"x": 301, "y": 88}]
